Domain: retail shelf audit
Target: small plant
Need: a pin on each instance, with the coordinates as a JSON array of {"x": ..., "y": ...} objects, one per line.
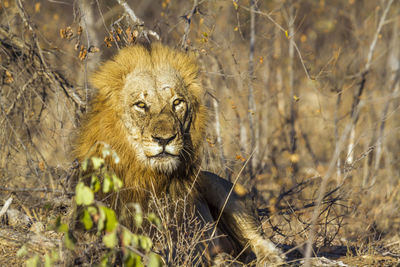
[{"x": 121, "y": 246}]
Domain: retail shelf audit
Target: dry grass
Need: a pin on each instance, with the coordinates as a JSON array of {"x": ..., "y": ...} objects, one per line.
[{"x": 325, "y": 115}]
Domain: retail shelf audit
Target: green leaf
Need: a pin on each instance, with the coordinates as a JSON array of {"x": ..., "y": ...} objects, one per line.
[
  {"x": 152, "y": 217},
  {"x": 135, "y": 240},
  {"x": 69, "y": 241},
  {"x": 101, "y": 221},
  {"x": 110, "y": 239},
  {"x": 55, "y": 256},
  {"x": 59, "y": 226},
  {"x": 33, "y": 262},
  {"x": 154, "y": 260},
  {"x": 133, "y": 260},
  {"x": 107, "y": 184},
  {"x": 111, "y": 221},
  {"x": 84, "y": 165},
  {"x": 97, "y": 162},
  {"x": 86, "y": 220},
  {"x": 138, "y": 219},
  {"x": 126, "y": 237},
  {"x": 83, "y": 194},
  {"x": 47, "y": 261},
  {"x": 129, "y": 260},
  {"x": 95, "y": 183},
  {"x": 117, "y": 182},
  {"x": 62, "y": 228},
  {"x": 145, "y": 242},
  {"x": 92, "y": 210},
  {"x": 139, "y": 262},
  {"x": 104, "y": 261},
  {"x": 138, "y": 216},
  {"x": 22, "y": 251}
]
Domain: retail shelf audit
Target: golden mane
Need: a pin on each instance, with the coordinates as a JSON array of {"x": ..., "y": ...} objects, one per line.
[{"x": 103, "y": 121}]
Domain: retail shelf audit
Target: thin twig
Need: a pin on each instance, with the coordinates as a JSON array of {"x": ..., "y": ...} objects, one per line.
[
  {"x": 301, "y": 59},
  {"x": 251, "y": 102},
  {"x": 376, "y": 35},
  {"x": 291, "y": 38},
  {"x": 90, "y": 61},
  {"x": 337, "y": 107},
  {"x": 188, "y": 19},
  {"x": 268, "y": 16},
  {"x": 292, "y": 118},
  {"x": 226, "y": 201},
  {"x": 20, "y": 93},
  {"x": 25, "y": 18},
  {"x": 229, "y": 194}
]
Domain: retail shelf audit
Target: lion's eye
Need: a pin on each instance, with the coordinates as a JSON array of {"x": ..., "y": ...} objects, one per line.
[
  {"x": 140, "y": 105},
  {"x": 177, "y": 102}
]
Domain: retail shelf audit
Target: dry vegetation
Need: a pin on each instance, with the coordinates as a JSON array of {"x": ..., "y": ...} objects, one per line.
[{"x": 303, "y": 94}]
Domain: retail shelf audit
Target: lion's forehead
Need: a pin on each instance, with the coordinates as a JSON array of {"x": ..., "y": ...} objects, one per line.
[
  {"x": 157, "y": 85},
  {"x": 137, "y": 81},
  {"x": 167, "y": 76}
]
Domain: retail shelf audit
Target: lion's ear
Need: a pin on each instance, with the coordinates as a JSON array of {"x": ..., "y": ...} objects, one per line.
[
  {"x": 111, "y": 75},
  {"x": 185, "y": 63}
]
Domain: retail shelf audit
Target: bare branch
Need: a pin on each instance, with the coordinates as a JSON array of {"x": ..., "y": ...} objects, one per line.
[
  {"x": 358, "y": 93},
  {"x": 136, "y": 20},
  {"x": 188, "y": 19},
  {"x": 268, "y": 16},
  {"x": 5, "y": 206},
  {"x": 251, "y": 103},
  {"x": 287, "y": 33},
  {"x": 131, "y": 13},
  {"x": 292, "y": 118},
  {"x": 376, "y": 35},
  {"x": 39, "y": 60}
]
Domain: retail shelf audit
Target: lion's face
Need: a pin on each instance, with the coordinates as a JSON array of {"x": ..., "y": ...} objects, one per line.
[
  {"x": 148, "y": 108},
  {"x": 156, "y": 114}
]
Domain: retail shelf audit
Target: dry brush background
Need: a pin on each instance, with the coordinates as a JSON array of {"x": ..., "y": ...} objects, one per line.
[{"x": 303, "y": 99}]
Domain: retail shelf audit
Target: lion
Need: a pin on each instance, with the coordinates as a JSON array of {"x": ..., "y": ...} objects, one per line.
[{"x": 149, "y": 109}]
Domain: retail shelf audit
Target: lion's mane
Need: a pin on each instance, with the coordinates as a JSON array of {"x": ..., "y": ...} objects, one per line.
[{"x": 103, "y": 123}]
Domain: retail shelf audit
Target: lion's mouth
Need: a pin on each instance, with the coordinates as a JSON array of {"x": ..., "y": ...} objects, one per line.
[{"x": 163, "y": 154}]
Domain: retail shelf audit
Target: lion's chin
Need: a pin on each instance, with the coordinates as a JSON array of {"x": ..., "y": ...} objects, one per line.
[{"x": 164, "y": 163}]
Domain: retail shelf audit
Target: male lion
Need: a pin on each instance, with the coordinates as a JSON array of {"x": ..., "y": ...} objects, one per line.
[{"x": 149, "y": 109}]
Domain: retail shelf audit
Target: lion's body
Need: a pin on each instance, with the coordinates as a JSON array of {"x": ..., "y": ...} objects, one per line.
[{"x": 148, "y": 108}]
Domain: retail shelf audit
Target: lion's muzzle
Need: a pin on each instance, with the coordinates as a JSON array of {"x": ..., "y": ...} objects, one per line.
[
  {"x": 162, "y": 143},
  {"x": 163, "y": 140}
]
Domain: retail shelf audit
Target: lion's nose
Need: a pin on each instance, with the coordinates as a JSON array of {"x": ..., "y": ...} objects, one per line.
[{"x": 162, "y": 140}]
